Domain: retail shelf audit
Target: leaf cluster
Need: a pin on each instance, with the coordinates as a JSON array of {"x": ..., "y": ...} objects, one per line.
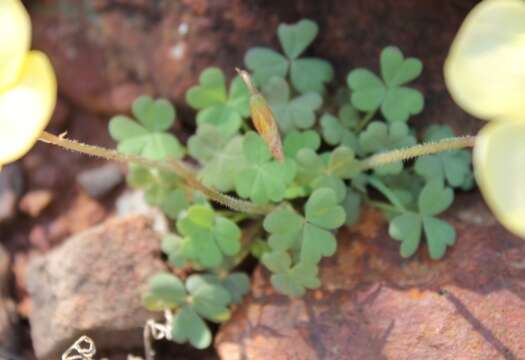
[
  {"x": 198, "y": 298},
  {"x": 318, "y": 187}
]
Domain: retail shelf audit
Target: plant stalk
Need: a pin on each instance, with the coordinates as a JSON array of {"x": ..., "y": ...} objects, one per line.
[
  {"x": 417, "y": 150},
  {"x": 364, "y": 121},
  {"x": 171, "y": 165}
]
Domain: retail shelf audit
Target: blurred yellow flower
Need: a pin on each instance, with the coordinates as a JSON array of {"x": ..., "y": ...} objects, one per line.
[
  {"x": 27, "y": 84},
  {"x": 485, "y": 74}
]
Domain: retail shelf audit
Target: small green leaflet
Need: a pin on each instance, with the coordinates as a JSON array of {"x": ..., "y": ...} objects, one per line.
[
  {"x": 148, "y": 137},
  {"x": 207, "y": 238},
  {"x": 291, "y": 114},
  {"x": 397, "y": 102},
  {"x": 454, "y": 167},
  {"x": 198, "y": 298},
  {"x": 263, "y": 179},
  {"x": 315, "y": 172},
  {"x": 379, "y": 137},
  {"x": 407, "y": 227},
  {"x": 306, "y": 74},
  {"x": 309, "y": 236},
  {"x": 223, "y": 168},
  {"x": 217, "y": 107}
]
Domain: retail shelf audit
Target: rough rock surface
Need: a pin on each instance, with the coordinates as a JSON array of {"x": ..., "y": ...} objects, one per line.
[
  {"x": 92, "y": 285},
  {"x": 374, "y": 305}
]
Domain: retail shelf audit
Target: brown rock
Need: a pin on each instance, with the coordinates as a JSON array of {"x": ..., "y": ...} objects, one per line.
[
  {"x": 375, "y": 305},
  {"x": 92, "y": 285},
  {"x": 34, "y": 202}
]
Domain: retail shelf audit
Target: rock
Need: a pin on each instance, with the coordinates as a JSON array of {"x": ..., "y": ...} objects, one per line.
[
  {"x": 98, "y": 182},
  {"x": 34, "y": 202},
  {"x": 11, "y": 186},
  {"x": 375, "y": 305},
  {"x": 8, "y": 317},
  {"x": 132, "y": 202},
  {"x": 92, "y": 285}
]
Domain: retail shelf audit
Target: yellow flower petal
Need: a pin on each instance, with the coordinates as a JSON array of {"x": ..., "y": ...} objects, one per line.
[
  {"x": 26, "y": 107},
  {"x": 485, "y": 68},
  {"x": 499, "y": 163},
  {"x": 15, "y": 37}
]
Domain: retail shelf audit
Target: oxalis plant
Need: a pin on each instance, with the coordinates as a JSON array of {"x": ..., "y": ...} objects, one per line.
[
  {"x": 280, "y": 189},
  {"x": 281, "y": 158}
]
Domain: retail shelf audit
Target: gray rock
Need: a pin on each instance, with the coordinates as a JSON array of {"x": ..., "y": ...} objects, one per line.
[
  {"x": 11, "y": 186},
  {"x": 92, "y": 285},
  {"x": 99, "y": 181},
  {"x": 132, "y": 202}
]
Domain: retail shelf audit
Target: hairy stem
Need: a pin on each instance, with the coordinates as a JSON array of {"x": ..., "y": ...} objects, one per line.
[
  {"x": 417, "y": 150},
  {"x": 171, "y": 165}
]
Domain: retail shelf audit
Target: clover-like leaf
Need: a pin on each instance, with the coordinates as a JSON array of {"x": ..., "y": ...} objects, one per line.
[
  {"x": 172, "y": 246},
  {"x": 407, "y": 227},
  {"x": 204, "y": 298},
  {"x": 401, "y": 102},
  {"x": 368, "y": 91},
  {"x": 454, "y": 167},
  {"x": 322, "y": 209},
  {"x": 224, "y": 167},
  {"x": 148, "y": 137},
  {"x": 158, "y": 185},
  {"x": 335, "y": 133},
  {"x": 207, "y": 142},
  {"x": 396, "y": 70},
  {"x": 342, "y": 163},
  {"x": 217, "y": 107},
  {"x": 208, "y": 238},
  {"x": 310, "y": 235},
  {"x": 306, "y": 74},
  {"x": 210, "y": 91},
  {"x": 208, "y": 299},
  {"x": 310, "y": 74},
  {"x": 291, "y": 114},
  {"x": 397, "y": 102},
  {"x": 187, "y": 325},
  {"x": 297, "y": 140},
  {"x": 352, "y": 206},
  {"x": 265, "y": 64},
  {"x": 155, "y": 115},
  {"x": 379, "y": 137},
  {"x": 277, "y": 261},
  {"x": 435, "y": 198},
  {"x": 285, "y": 227},
  {"x": 175, "y": 202},
  {"x": 238, "y": 284},
  {"x": 295, "y": 38},
  {"x": 439, "y": 234},
  {"x": 167, "y": 288},
  {"x": 263, "y": 179},
  {"x": 314, "y": 173},
  {"x": 295, "y": 280}
]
